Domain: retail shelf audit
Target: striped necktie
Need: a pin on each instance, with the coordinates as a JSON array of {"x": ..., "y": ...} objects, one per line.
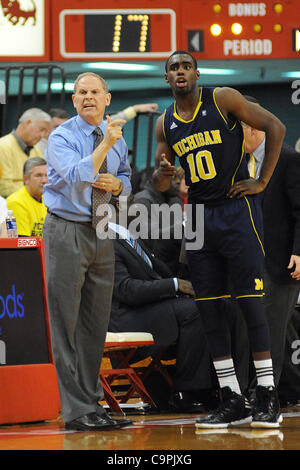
[
  {"x": 134, "y": 243},
  {"x": 98, "y": 195}
]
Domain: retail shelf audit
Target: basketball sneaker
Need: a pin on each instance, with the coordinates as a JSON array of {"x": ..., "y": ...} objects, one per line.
[
  {"x": 266, "y": 409},
  {"x": 234, "y": 410}
]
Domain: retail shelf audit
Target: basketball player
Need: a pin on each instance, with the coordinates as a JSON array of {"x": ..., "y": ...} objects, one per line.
[{"x": 202, "y": 128}]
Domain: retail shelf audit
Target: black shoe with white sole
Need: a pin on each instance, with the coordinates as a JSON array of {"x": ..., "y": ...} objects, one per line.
[
  {"x": 266, "y": 409},
  {"x": 234, "y": 410}
]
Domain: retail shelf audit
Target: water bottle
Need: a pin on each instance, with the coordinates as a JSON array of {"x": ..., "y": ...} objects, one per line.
[{"x": 11, "y": 225}]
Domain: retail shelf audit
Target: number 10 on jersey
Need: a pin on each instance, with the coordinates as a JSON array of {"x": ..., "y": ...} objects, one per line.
[{"x": 201, "y": 166}]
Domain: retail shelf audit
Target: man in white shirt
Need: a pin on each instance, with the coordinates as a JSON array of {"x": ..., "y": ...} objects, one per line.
[{"x": 281, "y": 220}]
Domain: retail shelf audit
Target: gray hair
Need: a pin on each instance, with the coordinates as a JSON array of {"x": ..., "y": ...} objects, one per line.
[
  {"x": 91, "y": 74},
  {"x": 35, "y": 114},
  {"x": 31, "y": 163}
]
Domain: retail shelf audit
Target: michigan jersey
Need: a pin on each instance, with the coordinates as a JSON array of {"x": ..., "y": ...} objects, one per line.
[{"x": 210, "y": 148}]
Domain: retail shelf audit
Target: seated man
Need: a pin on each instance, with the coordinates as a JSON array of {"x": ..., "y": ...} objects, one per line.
[
  {"x": 147, "y": 298},
  {"x": 20, "y": 144},
  {"x": 166, "y": 243},
  {"x": 27, "y": 203}
]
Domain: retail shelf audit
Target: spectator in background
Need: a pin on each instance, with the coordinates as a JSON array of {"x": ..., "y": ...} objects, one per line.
[
  {"x": 289, "y": 383},
  {"x": 58, "y": 116},
  {"x": 27, "y": 203},
  {"x": 281, "y": 220},
  {"x": 20, "y": 144},
  {"x": 3, "y": 215},
  {"x": 147, "y": 297},
  {"x": 167, "y": 243},
  {"x": 297, "y": 146}
]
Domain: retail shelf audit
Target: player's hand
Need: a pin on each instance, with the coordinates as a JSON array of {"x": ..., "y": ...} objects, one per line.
[
  {"x": 295, "y": 262},
  {"x": 185, "y": 287},
  {"x": 244, "y": 187},
  {"x": 165, "y": 168},
  {"x": 113, "y": 131}
]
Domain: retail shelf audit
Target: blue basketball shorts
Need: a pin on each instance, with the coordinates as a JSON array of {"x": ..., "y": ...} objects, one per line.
[{"x": 232, "y": 257}]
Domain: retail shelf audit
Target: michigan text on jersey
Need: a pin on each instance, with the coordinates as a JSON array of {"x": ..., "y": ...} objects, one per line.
[{"x": 197, "y": 140}]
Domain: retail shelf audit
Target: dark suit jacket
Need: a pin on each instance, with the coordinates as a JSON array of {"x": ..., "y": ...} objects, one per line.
[
  {"x": 136, "y": 283},
  {"x": 281, "y": 212},
  {"x": 144, "y": 299}
]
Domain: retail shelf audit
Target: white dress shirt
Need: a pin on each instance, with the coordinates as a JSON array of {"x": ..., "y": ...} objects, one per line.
[{"x": 259, "y": 155}]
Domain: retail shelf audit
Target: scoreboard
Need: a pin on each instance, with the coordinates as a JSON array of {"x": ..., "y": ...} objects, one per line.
[
  {"x": 245, "y": 30},
  {"x": 153, "y": 29},
  {"x": 117, "y": 33},
  {"x": 80, "y": 30}
]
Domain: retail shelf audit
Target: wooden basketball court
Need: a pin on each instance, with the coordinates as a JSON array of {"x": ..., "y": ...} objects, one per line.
[{"x": 172, "y": 434}]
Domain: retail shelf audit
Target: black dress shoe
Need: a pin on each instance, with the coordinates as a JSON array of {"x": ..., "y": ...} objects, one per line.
[
  {"x": 182, "y": 402},
  {"x": 91, "y": 422},
  {"x": 147, "y": 409},
  {"x": 122, "y": 422}
]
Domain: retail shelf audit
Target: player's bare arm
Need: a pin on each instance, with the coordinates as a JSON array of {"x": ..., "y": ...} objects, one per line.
[
  {"x": 232, "y": 103},
  {"x": 164, "y": 160}
]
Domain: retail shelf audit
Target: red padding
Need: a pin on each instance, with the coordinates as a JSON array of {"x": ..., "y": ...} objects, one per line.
[{"x": 28, "y": 393}]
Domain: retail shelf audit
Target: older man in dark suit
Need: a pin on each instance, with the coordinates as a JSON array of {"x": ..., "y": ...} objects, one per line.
[{"x": 281, "y": 214}]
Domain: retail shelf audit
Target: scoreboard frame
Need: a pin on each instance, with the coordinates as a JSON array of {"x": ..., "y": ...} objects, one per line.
[
  {"x": 122, "y": 12},
  {"x": 189, "y": 29}
]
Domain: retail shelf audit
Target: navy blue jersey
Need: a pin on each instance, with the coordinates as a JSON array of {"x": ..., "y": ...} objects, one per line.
[{"x": 209, "y": 147}]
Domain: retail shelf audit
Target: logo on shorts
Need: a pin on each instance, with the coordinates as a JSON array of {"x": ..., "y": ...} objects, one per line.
[{"x": 259, "y": 284}]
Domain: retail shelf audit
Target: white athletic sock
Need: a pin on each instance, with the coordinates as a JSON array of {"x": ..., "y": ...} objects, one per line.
[
  {"x": 264, "y": 372},
  {"x": 226, "y": 375}
]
